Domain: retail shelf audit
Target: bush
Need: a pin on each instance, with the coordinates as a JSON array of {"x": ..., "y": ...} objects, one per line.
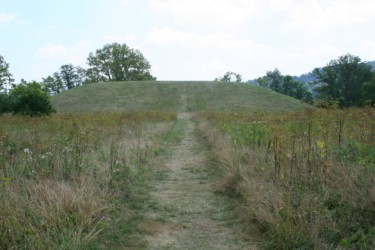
[
  {"x": 30, "y": 99},
  {"x": 4, "y": 103}
]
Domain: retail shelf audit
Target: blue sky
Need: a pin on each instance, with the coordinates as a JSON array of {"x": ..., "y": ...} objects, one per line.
[{"x": 187, "y": 39}]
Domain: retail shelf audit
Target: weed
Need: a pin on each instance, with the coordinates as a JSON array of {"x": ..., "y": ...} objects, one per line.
[
  {"x": 307, "y": 177},
  {"x": 61, "y": 177}
]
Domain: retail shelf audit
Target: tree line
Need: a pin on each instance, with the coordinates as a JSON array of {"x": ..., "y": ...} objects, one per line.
[
  {"x": 113, "y": 62},
  {"x": 286, "y": 85},
  {"x": 346, "y": 81}
]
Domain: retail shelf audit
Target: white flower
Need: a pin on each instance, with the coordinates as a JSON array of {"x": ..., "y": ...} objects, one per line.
[
  {"x": 67, "y": 149},
  {"x": 27, "y": 151}
]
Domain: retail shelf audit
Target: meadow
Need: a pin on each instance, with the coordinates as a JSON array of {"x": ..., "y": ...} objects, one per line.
[
  {"x": 65, "y": 179},
  {"x": 301, "y": 177},
  {"x": 307, "y": 178}
]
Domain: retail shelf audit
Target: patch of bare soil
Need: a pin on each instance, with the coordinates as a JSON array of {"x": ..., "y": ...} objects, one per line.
[{"x": 188, "y": 214}]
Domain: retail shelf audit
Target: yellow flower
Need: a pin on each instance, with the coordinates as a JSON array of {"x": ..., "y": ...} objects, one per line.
[{"x": 320, "y": 144}]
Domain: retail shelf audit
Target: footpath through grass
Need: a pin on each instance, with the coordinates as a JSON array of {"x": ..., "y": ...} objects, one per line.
[
  {"x": 184, "y": 210},
  {"x": 81, "y": 179}
]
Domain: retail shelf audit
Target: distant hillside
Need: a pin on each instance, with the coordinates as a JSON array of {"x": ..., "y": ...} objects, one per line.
[
  {"x": 305, "y": 78},
  {"x": 173, "y": 96},
  {"x": 372, "y": 64}
]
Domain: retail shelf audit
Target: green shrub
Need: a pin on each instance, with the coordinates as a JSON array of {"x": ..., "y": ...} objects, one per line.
[
  {"x": 4, "y": 103},
  {"x": 30, "y": 99}
]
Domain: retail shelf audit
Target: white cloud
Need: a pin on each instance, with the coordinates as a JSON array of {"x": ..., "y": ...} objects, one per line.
[
  {"x": 166, "y": 36},
  {"x": 58, "y": 53},
  {"x": 49, "y": 58},
  {"x": 278, "y": 5},
  {"x": 51, "y": 51},
  {"x": 210, "y": 66},
  {"x": 320, "y": 16},
  {"x": 211, "y": 13},
  {"x": 10, "y": 18},
  {"x": 301, "y": 16},
  {"x": 7, "y": 18},
  {"x": 367, "y": 49},
  {"x": 214, "y": 54},
  {"x": 124, "y": 3},
  {"x": 368, "y": 44},
  {"x": 225, "y": 41},
  {"x": 201, "y": 39},
  {"x": 119, "y": 38}
]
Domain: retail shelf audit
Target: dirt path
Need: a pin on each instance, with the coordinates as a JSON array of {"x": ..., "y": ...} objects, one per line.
[{"x": 187, "y": 213}]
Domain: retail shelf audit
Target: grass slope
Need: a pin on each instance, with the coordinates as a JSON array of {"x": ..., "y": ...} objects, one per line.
[{"x": 169, "y": 96}]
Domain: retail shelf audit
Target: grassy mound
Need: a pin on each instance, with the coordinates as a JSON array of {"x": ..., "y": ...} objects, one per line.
[{"x": 173, "y": 96}]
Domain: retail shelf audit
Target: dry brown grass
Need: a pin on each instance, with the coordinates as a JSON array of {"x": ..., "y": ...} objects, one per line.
[
  {"x": 309, "y": 184},
  {"x": 62, "y": 178},
  {"x": 51, "y": 214}
]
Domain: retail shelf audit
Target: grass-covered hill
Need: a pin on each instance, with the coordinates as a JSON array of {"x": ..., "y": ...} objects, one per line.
[{"x": 173, "y": 96}]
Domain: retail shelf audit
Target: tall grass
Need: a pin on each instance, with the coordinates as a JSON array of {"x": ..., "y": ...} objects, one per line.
[
  {"x": 60, "y": 176},
  {"x": 308, "y": 178}
]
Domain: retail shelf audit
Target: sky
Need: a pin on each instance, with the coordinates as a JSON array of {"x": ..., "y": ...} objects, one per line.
[{"x": 187, "y": 39}]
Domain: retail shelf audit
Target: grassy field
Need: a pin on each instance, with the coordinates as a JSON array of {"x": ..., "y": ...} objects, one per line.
[
  {"x": 173, "y": 96},
  {"x": 303, "y": 177},
  {"x": 69, "y": 181},
  {"x": 307, "y": 178}
]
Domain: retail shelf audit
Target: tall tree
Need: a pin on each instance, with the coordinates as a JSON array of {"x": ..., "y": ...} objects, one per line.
[
  {"x": 342, "y": 80},
  {"x": 229, "y": 77},
  {"x": 368, "y": 91},
  {"x": 68, "y": 77},
  {"x": 72, "y": 76},
  {"x": 118, "y": 62},
  {"x": 296, "y": 89},
  {"x": 262, "y": 82},
  {"x": 275, "y": 80},
  {"x": 289, "y": 86},
  {"x": 6, "y": 78},
  {"x": 286, "y": 85},
  {"x": 53, "y": 84}
]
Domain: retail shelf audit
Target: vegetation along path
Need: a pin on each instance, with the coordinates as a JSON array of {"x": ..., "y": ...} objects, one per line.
[{"x": 188, "y": 214}]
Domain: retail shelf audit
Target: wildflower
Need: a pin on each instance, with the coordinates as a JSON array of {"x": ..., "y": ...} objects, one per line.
[
  {"x": 67, "y": 149},
  {"x": 27, "y": 151},
  {"x": 320, "y": 144},
  {"x": 322, "y": 147}
]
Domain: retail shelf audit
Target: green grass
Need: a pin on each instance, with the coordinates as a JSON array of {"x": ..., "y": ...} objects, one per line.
[{"x": 173, "y": 96}]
